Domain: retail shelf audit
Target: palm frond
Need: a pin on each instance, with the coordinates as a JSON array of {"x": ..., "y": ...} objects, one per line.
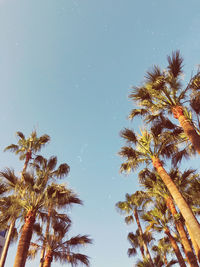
[
  {"x": 140, "y": 94},
  {"x": 62, "y": 170},
  {"x": 131, "y": 252},
  {"x": 12, "y": 148},
  {"x": 75, "y": 259},
  {"x": 179, "y": 156},
  {"x": 9, "y": 175},
  {"x": 78, "y": 241},
  {"x": 129, "y": 219},
  {"x": 51, "y": 164},
  {"x": 20, "y": 135},
  {"x": 44, "y": 139},
  {"x": 128, "y": 152},
  {"x": 153, "y": 75},
  {"x": 138, "y": 112},
  {"x": 195, "y": 102},
  {"x": 129, "y": 136},
  {"x": 175, "y": 64}
]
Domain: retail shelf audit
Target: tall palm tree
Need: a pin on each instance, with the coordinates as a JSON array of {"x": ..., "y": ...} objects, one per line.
[
  {"x": 158, "y": 219},
  {"x": 61, "y": 248},
  {"x": 34, "y": 196},
  {"x": 162, "y": 92},
  {"x": 25, "y": 148},
  {"x": 148, "y": 148},
  {"x": 9, "y": 211},
  {"x": 130, "y": 205},
  {"x": 155, "y": 188}
]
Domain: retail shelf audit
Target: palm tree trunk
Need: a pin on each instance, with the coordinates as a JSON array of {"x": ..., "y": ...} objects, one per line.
[
  {"x": 194, "y": 243},
  {"x": 175, "y": 248},
  {"x": 188, "y": 127},
  {"x": 142, "y": 252},
  {"x": 179, "y": 200},
  {"x": 25, "y": 239},
  {"x": 165, "y": 259},
  {"x": 48, "y": 259},
  {"x": 191, "y": 259},
  {"x": 7, "y": 243},
  {"x": 46, "y": 233},
  {"x": 141, "y": 233},
  {"x": 28, "y": 157}
]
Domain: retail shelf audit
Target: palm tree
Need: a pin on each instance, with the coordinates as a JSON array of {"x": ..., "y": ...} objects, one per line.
[
  {"x": 9, "y": 211},
  {"x": 27, "y": 147},
  {"x": 58, "y": 198},
  {"x": 158, "y": 219},
  {"x": 148, "y": 148},
  {"x": 155, "y": 188},
  {"x": 60, "y": 248},
  {"x": 137, "y": 240},
  {"x": 34, "y": 195},
  {"x": 130, "y": 205},
  {"x": 45, "y": 169},
  {"x": 9, "y": 208},
  {"x": 162, "y": 249},
  {"x": 163, "y": 93}
]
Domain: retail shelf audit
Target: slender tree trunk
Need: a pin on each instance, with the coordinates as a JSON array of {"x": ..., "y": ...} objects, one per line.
[
  {"x": 188, "y": 127},
  {"x": 142, "y": 252},
  {"x": 7, "y": 243},
  {"x": 48, "y": 259},
  {"x": 175, "y": 248},
  {"x": 179, "y": 200},
  {"x": 28, "y": 157},
  {"x": 141, "y": 233},
  {"x": 12, "y": 225},
  {"x": 165, "y": 259},
  {"x": 194, "y": 243},
  {"x": 191, "y": 259},
  {"x": 46, "y": 234},
  {"x": 25, "y": 239}
]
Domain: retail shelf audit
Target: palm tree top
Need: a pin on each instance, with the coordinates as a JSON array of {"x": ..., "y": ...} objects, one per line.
[
  {"x": 33, "y": 143},
  {"x": 146, "y": 147},
  {"x": 163, "y": 89}
]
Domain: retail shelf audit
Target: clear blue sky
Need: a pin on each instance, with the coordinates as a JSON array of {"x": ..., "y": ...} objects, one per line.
[{"x": 66, "y": 69}]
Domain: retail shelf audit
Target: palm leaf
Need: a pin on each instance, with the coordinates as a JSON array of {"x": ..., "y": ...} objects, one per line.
[
  {"x": 129, "y": 136},
  {"x": 131, "y": 252},
  {"x": 175, "y": 64},
  {"x": 12, "y": 148},
  {"x": 20, "y": 135}
]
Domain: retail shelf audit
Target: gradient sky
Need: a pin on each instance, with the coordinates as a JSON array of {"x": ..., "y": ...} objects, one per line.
[{"x": 66, "y": 69}]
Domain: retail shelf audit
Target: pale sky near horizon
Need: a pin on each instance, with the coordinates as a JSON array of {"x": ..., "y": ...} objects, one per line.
[{"x": 66, "y": 69}]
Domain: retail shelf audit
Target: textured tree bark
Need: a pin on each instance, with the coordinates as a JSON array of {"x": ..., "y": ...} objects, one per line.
[
  {"x": 142, "y": 252},
  {"x": 175, "y": 248},
  {"x": 48, "y": 259},
  {"x": 46, "y": 233},
  {"x": 194, "y": 243},
  {"x": 188, "y": 127},
  {"x": 141, "y": 233},
  {"x": 7, "y": 243},
  {"x": 24, "y": 241},
  {"x": 191, "y": 259},
  {"x": 179, "y": 200}
]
